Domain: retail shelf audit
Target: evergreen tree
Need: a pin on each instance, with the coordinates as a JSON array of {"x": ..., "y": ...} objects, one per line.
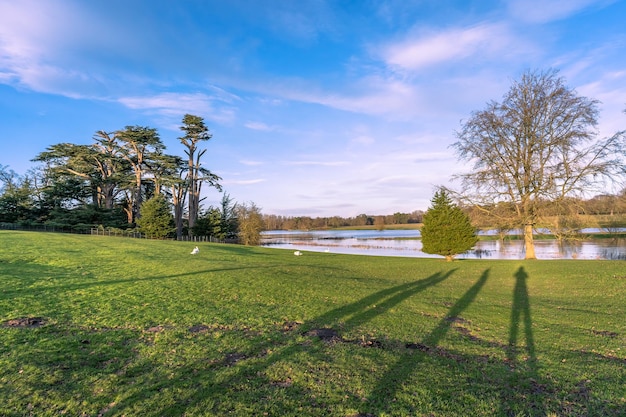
[
  {"x": 156, "y": 218},
  {"x": 447, "y": 230},
  {"x": 209, "y": 223},
  {"x": 195, "y": 133}
]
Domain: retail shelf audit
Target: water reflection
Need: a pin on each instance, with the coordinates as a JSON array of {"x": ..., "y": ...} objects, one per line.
[{"x": 406, "y": 243}]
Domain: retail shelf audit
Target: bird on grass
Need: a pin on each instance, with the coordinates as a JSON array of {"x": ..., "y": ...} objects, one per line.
[
  {"x": 195, "y": 250},
  {"x": 297, "y": 253}
]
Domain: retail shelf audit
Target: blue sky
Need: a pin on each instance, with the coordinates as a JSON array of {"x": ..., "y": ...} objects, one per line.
[{"x": 317, "y": 107}]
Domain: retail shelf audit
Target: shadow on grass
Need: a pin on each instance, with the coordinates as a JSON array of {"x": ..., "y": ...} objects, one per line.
[
  {"x": 394, "y": 379},
  {"x": 373, "y": 305},
  {"x": 526, "y": 391},
  {"x": 143, "y": 374},
  {"x": 256, "y": 362}
]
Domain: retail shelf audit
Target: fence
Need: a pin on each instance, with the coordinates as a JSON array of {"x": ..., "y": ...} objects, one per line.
[
  {"x": 211, "y": 239},
  {"x": 42, "y": 228},
  {"x": 117, "y": 233},
  {"x": 138, "y": 235},
  {"x": 99, "y": 231}
]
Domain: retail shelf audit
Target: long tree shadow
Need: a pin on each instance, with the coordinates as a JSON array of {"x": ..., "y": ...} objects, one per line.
[
  {"x": 363, "y": 310},
  {"x": 268, "y": 353},
  {"x": 394, "y": 379},
  {"x": 525, "y": 392}
]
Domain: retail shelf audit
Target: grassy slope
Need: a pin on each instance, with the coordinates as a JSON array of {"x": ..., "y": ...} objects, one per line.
[{"x": 136, "y": 327}]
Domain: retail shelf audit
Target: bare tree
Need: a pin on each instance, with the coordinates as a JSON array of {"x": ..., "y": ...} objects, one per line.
[{"x": 536, "y": 148}]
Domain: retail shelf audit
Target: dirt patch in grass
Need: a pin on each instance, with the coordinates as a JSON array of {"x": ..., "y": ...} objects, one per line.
[
  {"x": 199, "y": 328},
  {"x": 330, "y": 335},
  {"x": 289, "y": 326},
  {"x": 582, "y": 391},
  {"x": 232, "y": 358},
  {"x": 155, "y": 329},
  {"x": 417, "y": 346},
  {"x": 605, "y": 333},
  {"x": 326, "y": 334},
  {"x": 229, "y": 359},
  {"x": 208, "y": 328},
  {"x": 287, "y": 382},
  {"x": 25, "y": 322},
  {"x": 457, "y": 320}
]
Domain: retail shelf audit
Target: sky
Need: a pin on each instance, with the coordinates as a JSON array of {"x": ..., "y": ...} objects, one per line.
[{"x": 317, "y": 107}]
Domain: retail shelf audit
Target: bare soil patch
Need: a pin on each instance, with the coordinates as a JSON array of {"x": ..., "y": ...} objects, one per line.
[
  {"x": 25, "y": 322},
  {"x": 605, "y": 333}
]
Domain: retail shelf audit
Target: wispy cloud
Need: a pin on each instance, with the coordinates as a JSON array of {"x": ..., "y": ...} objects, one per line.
[
  {"x": 177, "y": 104},
  {"x": 317, "y": 163},
  {"x": 50, "y": 47},
  {"x": 31, "y": 35},
  {"x": 610, "y": 89},
  {"x": 375, "y": 96},
  {"x": 542, "y": 11},
  {"x": 251, "y": 163},
  {"x": 243, "y": 182},
  {"x": 418, "y": 51},
  {"x": 259, "y": 126}
]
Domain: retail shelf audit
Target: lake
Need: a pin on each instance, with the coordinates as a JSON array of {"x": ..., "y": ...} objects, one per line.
[{"x": 406, "y": 243}]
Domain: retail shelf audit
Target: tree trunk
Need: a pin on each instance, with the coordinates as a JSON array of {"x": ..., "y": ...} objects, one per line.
[
  {"x": 179, "y": 202},
  {"x": 529, "y": 243},
  {"x": 193, "y": 207}
]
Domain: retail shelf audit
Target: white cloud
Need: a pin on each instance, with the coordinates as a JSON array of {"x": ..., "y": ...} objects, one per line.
[
  {"x": 451, "y": 45},
  {"x": 177, "y": 104},
  {"x": 38, "y": 45},
  {"x": 377, "y": 96},
  {"x": 258, "y": 126}
]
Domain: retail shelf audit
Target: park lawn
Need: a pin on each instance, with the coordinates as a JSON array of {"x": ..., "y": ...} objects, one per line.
[{"x": 104, "y": 326}]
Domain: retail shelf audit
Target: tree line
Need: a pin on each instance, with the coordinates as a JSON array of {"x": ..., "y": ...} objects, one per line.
[
  {"x": 121, "y": 174},
  {"x": 278, "y": 222}
]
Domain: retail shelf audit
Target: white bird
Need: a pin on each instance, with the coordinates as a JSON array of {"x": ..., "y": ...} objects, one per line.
[
  {"x": 297, "y": 253},
  {"x": 195, "y": 250},
  {"x": 326, "y": 250}
]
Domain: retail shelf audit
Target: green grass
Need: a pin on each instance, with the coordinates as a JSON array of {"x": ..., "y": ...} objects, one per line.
[{"x": 143, "y": 328}]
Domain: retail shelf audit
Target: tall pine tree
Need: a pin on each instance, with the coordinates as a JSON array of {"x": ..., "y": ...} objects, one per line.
[{"x": 447, "y": 230}]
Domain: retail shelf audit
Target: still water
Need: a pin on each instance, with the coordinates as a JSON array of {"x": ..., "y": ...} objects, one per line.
[{"x": 406, "y": 243}]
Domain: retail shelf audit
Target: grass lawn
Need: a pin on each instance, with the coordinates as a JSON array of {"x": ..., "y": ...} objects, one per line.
[{"x": 103, "y": 326}]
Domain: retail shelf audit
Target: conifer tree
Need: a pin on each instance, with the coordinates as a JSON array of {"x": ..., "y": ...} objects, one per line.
[
  {"x": 156, "y": 219},
  {"x": 447, "y": 230}
]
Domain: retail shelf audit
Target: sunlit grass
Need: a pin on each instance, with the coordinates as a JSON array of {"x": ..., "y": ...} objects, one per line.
[{"x": 143, "y": 328}]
